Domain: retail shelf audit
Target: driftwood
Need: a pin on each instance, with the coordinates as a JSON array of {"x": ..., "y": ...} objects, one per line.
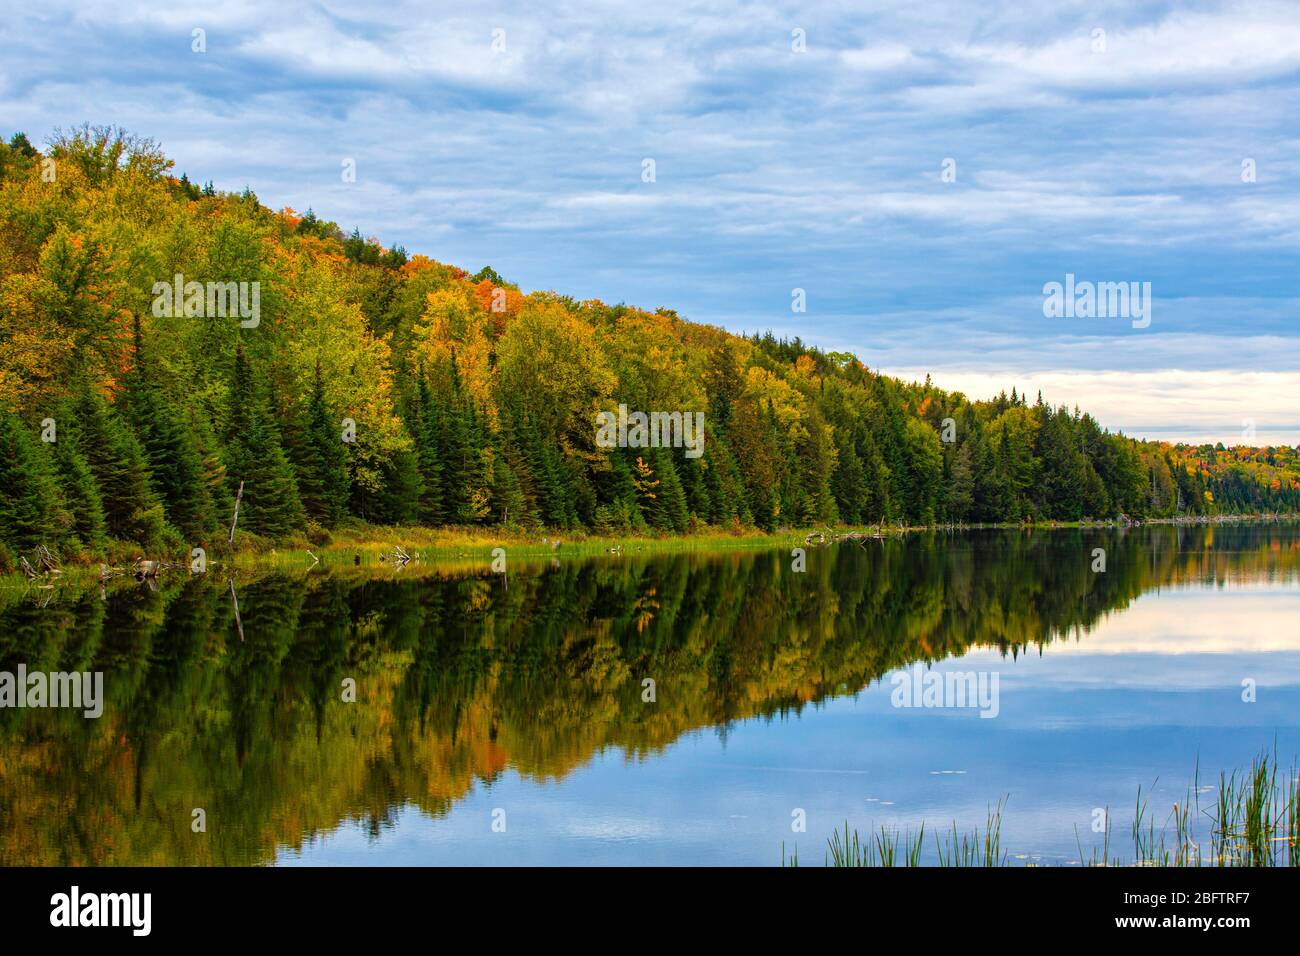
[
  {"x": 46, "y": 563},
  {"x": 828, "y": 535},
  {"x": 398, "y": 556},
  {"x": 140, "y": 569}
]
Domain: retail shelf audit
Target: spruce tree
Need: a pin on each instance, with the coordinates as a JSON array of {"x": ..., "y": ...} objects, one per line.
[
  {"x": 214, "y": 469},
  {"x": 132, "y": 509},
  {"x": 80, "y": 494},
  {"x": 320, "y": 460},
  {"x": 175, "y": 466},
  {"x": 465, "y": 495},
  {"x": 399, "y": 501},
  {"x": 670, "y": 512},
  {"x": 428, "y": 441},
  {"x": 31, "y": 503},
  {"x": 508, "y": 506},
  {"x": 253, "y": 455}
]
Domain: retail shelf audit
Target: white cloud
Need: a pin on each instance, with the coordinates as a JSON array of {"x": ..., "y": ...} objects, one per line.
[
  {"x": 885, "y": 56},
  {"x": 1170, "y": 404},
  {"x": 1249, "y": 41},
  {"x": 775, "y": 169}
]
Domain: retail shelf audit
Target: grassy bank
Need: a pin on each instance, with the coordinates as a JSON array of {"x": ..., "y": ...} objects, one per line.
[{"x": 357, "y": 543}]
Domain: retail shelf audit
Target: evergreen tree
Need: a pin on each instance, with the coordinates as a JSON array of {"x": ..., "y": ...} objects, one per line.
[
  {"x": 669, "y": 511},
  {"x": 175, "y": 465},
  {"x": 464, "y": 472},
  {"x": 214, "y": 469},
  {"x": 253, "y": 455},
  {"x": 959, "y": 495},
  {"x": 80, "y": 494},
  {"x": 132, "y": 509},
  {"x": 508, "y": 505},
  {"x": 428, "y": 436},
  {"x": 320, "y": 460},
  {"x": 399, "y": 501},
  {"x": 31, "y": 503}
]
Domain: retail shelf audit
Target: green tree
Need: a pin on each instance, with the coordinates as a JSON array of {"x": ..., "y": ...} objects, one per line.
[
  {"x": 132, "y": 509},
  {"x": 80, "y": 494},
  {"x": 253, "y": 455},
  {"x": 320, "y": 462},
  {"x": 31, "y": 503}
]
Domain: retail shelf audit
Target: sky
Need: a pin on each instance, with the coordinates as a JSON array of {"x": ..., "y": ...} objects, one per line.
[{"x": 920, "y": 170}]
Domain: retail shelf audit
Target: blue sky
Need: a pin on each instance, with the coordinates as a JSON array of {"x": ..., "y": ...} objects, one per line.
[{"x": 1116, "y": 156}]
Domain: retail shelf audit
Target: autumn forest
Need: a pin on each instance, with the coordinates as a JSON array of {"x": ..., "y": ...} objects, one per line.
[{"x": 385, "y": 387}]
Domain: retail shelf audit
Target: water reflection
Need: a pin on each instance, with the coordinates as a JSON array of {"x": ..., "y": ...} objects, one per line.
[{"x": 463, "y": 681}]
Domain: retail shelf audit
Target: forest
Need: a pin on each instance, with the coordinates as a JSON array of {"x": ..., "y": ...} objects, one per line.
[{"x": 388, "y": 388}]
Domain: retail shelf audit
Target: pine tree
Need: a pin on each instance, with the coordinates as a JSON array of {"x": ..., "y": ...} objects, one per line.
[
  {"x": 695, "y": 482},
  {"x": 31, "y": 503},
  {"x": 399, "y": 501},
  {"x": 546, "y": 472},
  {"x": 253, "y": 455},
  {"x": 478, "y": 468},
  {"x": 960, "y": 491},
  {"x": 80, "y": 494},
  {"x": 670, "y": 512},
  {"x": 647, "y": 489},
  {"x": 849, "y": 481},
  {"x": 428, "y": 440},
  {"x": 508, "y": 505},
  {"x": 175, "y": 465},
  {"x": 725, "y": 483},
  {"x": 320, "y": 460},
  {"x": 459, "y": 454},
  {"x": 132, "y": 509},
  {"x": 214, "y": 469}
]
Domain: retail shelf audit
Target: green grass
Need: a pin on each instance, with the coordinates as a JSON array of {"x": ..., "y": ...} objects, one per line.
[
  {"x": 357, "y": 543},
  {"x": 1253, "y": 821},
  {"x": 892, "y": 847},
  {"x": 447, "y": 545}
]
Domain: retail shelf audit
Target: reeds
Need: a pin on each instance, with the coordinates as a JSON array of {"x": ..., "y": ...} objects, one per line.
[
  {"x": 883, "y": 848},
  {"x": 888, "y": 847},
  {"x": 1256, "y": 817},
  {"x": 973, "y": 849},
  {"x": 1254, "y": 821}
]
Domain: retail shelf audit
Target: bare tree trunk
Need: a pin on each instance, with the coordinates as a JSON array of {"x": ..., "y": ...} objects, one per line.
[{"x": 235, "y": 520}]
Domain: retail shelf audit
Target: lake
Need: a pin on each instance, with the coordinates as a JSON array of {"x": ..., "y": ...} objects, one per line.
[{"x": 655, "y": 709}]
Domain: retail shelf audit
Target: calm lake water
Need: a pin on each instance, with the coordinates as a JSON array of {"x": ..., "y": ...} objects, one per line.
[{"x": 521, "y": 700}]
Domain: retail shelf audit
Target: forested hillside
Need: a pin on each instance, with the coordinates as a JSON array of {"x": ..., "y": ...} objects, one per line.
[{"x": 395, "y": 389}]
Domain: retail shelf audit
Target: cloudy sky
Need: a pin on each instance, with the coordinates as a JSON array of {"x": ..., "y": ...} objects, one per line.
[{"x": 795, "y": 146}]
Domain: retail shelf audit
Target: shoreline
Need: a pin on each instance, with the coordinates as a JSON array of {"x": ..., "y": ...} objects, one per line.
[{"x": 366, "y": 546}]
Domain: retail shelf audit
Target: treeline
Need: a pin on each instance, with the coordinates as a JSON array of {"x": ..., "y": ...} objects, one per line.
[{"x": 387, "y": 387}]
